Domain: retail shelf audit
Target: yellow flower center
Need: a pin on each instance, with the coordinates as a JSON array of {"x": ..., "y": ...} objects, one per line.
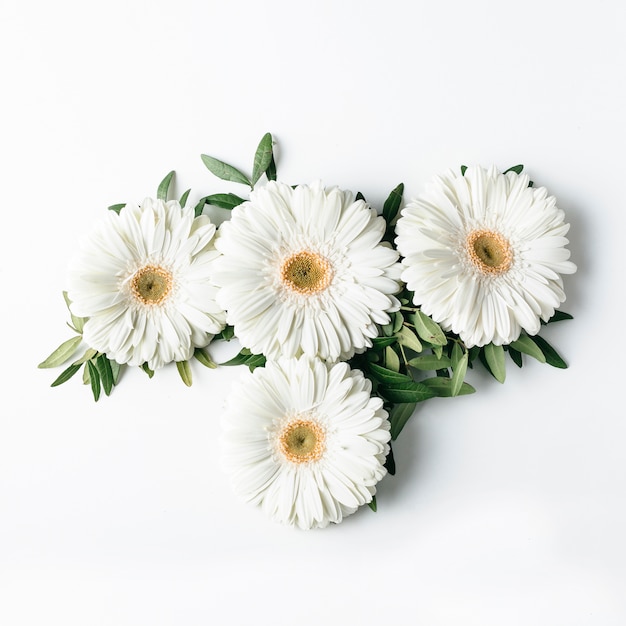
[
  {"x": 306, "y": 272},
  {"x": 489, "y": 251},
  {"x": 302, "y": 441},
  {"x": 152, "y": 284}
]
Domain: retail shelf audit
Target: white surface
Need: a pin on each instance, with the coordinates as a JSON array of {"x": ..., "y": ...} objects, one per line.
[{"x": 508, "y": 506}]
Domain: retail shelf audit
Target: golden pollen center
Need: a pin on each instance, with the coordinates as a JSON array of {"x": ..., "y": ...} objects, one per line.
[
  {"x": 306, "y": 272},
  {"x": 489, "y": 251},
  {"x": 152, "y": 284},
  {"x": 302, "y": 441}
]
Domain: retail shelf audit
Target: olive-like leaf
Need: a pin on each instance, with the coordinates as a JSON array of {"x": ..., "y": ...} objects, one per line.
[
  {"x": 146, "y": 368},
  {"x": 408, "y": 339},
  {"x": 383, "y": 342},
  {"x": 392, "y": 360},
  {"x": 224, "y": 200},
  {"x": 116, "y": 208},
  {"x": 399, "y": 415},
  {"x": 106, "y": 373},
  {"x": 494, "y": 357},
  {"x": 183, "y": 198},
  {"x": 164, "y": 186},
  {"x": 516, "y": 168},
  {"x": 552, "y": 356},
  {"x": 116, "y": 369},
  {"x": 372, "y": 504},
  {"x": 558, "y": 317},
  {"x": 443, "y": 388},
  {"x": 185, "y": 372},
  {"x": 262, "y": 158},
  {"x": 426, "y": 362},
  {"x": 458, "y": 374},
  {"x": 78, "y": 323},
  {"x": 527, "y": 345},
  {"x": 429, "y": 330},
  {"x": 225, "y": 171},
  {"x": 463, "y": 170},
  {"x": 392, "y": 204},
  {"x": 203, "y": 356},
  {"x": 387, "y": 376},
  {"x": 94, "y": 379},
  {"x": 63, "y": 353},
  {"x": 65, "y": 375},
  {"x": 406, "y": 392},
  {"x": 270, "y": 172}
]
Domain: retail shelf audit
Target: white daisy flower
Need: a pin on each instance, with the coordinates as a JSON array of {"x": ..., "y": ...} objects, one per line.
[
  {"x": 143, "y": 278},
  {"x": 484, "y": 254},
  {"x": 304, "y": 272},
  {"x": 305, "y": 440}
]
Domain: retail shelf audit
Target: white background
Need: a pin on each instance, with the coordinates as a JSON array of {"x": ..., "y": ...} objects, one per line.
[{"x": 508, "y": 505}]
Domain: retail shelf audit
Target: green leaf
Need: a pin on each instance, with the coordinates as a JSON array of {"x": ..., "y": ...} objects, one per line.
[
  {"x": 360, "y": 196},
  {"x": 116, "y": 369},
  {"x": 392, "y": 204},
  {"x": 399, "y": 415},
  {"x": 387, "y": 376},
  {"x": 270, "y": 172},
  {"x": 392, "y": 361},
  {"x": 245, "y": 357},
  {"x": 117, "y": 207},
  {"x": 516, "y": 168},
  {"x": 383, "y": 342},
  {"x": 428, "y": 362},
  {"x": 185, "y": 372},
  {"x": 147, "y": 370},
  {"x": 77, "y": 322},
  {"x": 429, "y": 330},
  {"x": 390, "y": 462},
  {"x": 164, "y": 187},
  {"x": 225, "y": 171},
  {"x": 89, "y": 354},
  {"x": 552, "y": 356},
  {"x": 558, "y": 317},
  {"x": 64, "y": 352},
  {"x": 372, "y": 504},
  {"x": 494, "y": 356},
  {"x": 94, "y": 379},
  {"x": 463, "y": 170},
  {"x": 516, "y": 356},
  {"x": 224, "y": 200},
  {"x": 408, "y": 339},
  {"x": 106, "y": 373},
  {"x": 443, "y": 387},
  {"x": 183, "y": 198},
  {"x": 406, "y": 392},
  {"x": 262, "y": 158},
  {"x": 458, "y": 374},
  {"x": 65, "y": 375},
  {"x": 397, "y": 321},
  {"x": 203, "y": 356},
  {"x": 527, "y": 345},
  {"x": 226, "y": 335}
]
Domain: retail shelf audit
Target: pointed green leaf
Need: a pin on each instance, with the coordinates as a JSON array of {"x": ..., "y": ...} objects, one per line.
[
  {"x": 183, "y": 198},
  {"x": 443, "y": 388},
  {"x": 558, "y": 317},
  {"x": 106, "y": 373},
  {"x": 458, "y": 374},
  {"x": 116, "y": 208},
  {"x": 399, "y": 415},
  {"x": 383, "y": 342},
  {"x": 116, "y": 368},
  {"x": 426, "y": 362},
  {"x": 185, "y": 372},
  {"x": 224, "y": 200},
  {"x": 77, "y": 322},
  {"x": 516, "y": 356},
  {"x": 225, "y": 171},
  {"x": 94, "y": 379},
  {"x": 262, "y": 158},
  {"x": 408, "y": 339},
  {"x": 360, "y": 196},
  {"x": 145, "y": 367},
  {"x": 516, "y": 168},
  {"x": 407, "y": 392},
  {"x": 270, "y": 172},
  {"x": 390, "y": 462},
  {"x": 164, "y": 187},
  {"x": 372, "y": 504},
  {"x": 552, "y": 356},
  {"x": 494, "y": 356},
  {"x": 463, "y": 170},
  {"x": 65, "y": 375},
  {"x": 527, "y": 345},
  {"x": 227, "y": 334},
  {"x": 385, "y": 375},
  {"x": 203, "y": 356},
  {"x": 89, "y": 354},
  {"x": 392, "y": 204},
  {"x": 429, "y": 330},
  {"x": 392, "y": 361},
  {"x": 64, "y": 352}
]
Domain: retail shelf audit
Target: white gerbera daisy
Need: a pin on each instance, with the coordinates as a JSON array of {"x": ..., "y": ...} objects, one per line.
[
  {"x": 305, "y": 440},
  {"x": 484, "y": 253},
  {"x": 143, "y": 278},
  {"x": 304, "y": 272}
]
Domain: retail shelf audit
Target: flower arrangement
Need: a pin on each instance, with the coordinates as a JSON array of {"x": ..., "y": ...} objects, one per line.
[{"x": 347, "y": 317}]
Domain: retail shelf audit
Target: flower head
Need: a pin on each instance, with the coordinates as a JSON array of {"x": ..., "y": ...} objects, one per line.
[
  {"x": 304, "y": 272},
  {"x": 484, "y": 253},
  {"x": 305, "y": 440},
  {"x": 143, "y": 278}
]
